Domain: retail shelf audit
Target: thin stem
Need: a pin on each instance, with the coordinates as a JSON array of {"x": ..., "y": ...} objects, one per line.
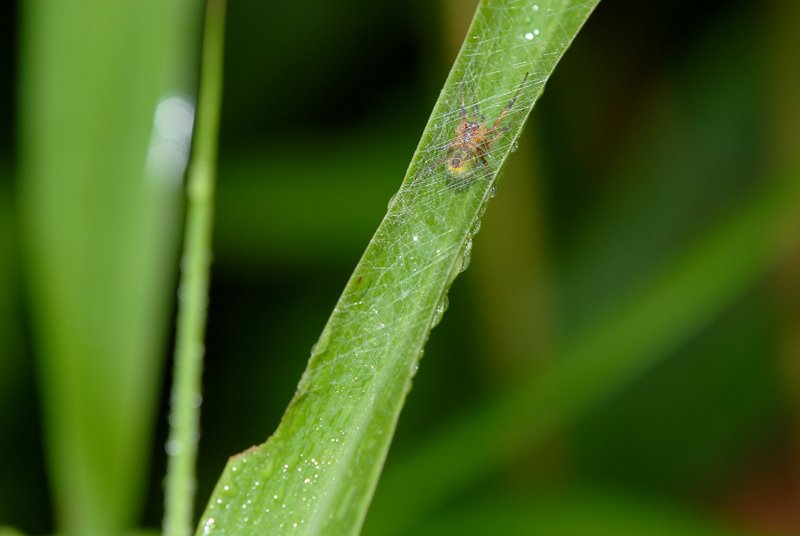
[{"x": 184, "y": 418}]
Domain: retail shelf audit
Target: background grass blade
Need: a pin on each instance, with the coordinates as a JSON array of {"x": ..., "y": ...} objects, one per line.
[
  {"x": 99, "y": 192},
  {"x": 317, "y": 473},
  {"x": 655, "y": 319},
  {"x": 185, "y": 417},
  {"x": 583, "y": 512}
]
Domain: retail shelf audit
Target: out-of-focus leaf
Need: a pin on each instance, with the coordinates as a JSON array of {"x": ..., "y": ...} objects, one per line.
[
  {"x": 265, "y": 219},
  {"x": 582, "y": 513},
  {"x": 103, "y": 142}
]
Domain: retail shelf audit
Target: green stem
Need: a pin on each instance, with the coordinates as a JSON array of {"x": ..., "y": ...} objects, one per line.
[{"x": 184, "y": 418}]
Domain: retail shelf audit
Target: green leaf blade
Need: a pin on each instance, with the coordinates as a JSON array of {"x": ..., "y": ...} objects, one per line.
[{"x": 317, "y": 473}]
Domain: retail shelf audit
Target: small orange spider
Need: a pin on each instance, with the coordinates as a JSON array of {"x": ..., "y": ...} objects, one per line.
[{"x": 473, "y": 140}]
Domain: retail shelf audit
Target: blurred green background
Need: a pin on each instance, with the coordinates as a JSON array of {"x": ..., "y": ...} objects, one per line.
[{"x": 664, "y": 120}]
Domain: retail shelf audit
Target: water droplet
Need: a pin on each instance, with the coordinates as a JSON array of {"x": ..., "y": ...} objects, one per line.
[
  {"x": 440, "y": 309},
  {"x": 536, "y": 7},
  {"x": 170, "y": 139},
  {"x": 209, "y": 525},
  {"x": 476, "y": 228},
  {"x": 173, "y": 447},
  {"x": 493, "y": 191},
  {"x": 514, "y": 146},
  {"x": 536, "y": 32},
  {"x": 529, "y": 36},
  {"x": 466, "y": 254},
  {"x": 392, "y": 201}
]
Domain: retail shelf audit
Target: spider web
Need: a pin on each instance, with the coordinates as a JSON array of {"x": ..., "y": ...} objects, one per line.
[
  {"x": 504, "y": 63},
  {"x": 490, "y": 69}
]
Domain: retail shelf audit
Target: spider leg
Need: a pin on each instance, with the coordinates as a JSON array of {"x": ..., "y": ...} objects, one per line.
[
  {"x": 497, "y": 134},
  {"x": 510, "y": 103},
  {"x": 486, "y": 167},
  {"x": 476, "y": 113}
]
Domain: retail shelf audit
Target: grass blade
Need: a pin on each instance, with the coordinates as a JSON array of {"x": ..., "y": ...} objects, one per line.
[
  {"x": 582, "y": 512},
  {"x": 184, "y": 419},
  {"x": 317, "y": 473},
  {"x": 98, "y": 202}
]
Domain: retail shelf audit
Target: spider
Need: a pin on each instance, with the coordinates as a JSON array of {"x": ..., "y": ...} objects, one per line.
[{"x": 473, "y": 140}]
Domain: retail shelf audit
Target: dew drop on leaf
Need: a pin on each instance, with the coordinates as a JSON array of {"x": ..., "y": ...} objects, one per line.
[
  {"x": 440, "y": 309},
  {"x": 476, "y": 228},
  {"x": 466, "y": 253},
  {"x": 209, "y": 525}
]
